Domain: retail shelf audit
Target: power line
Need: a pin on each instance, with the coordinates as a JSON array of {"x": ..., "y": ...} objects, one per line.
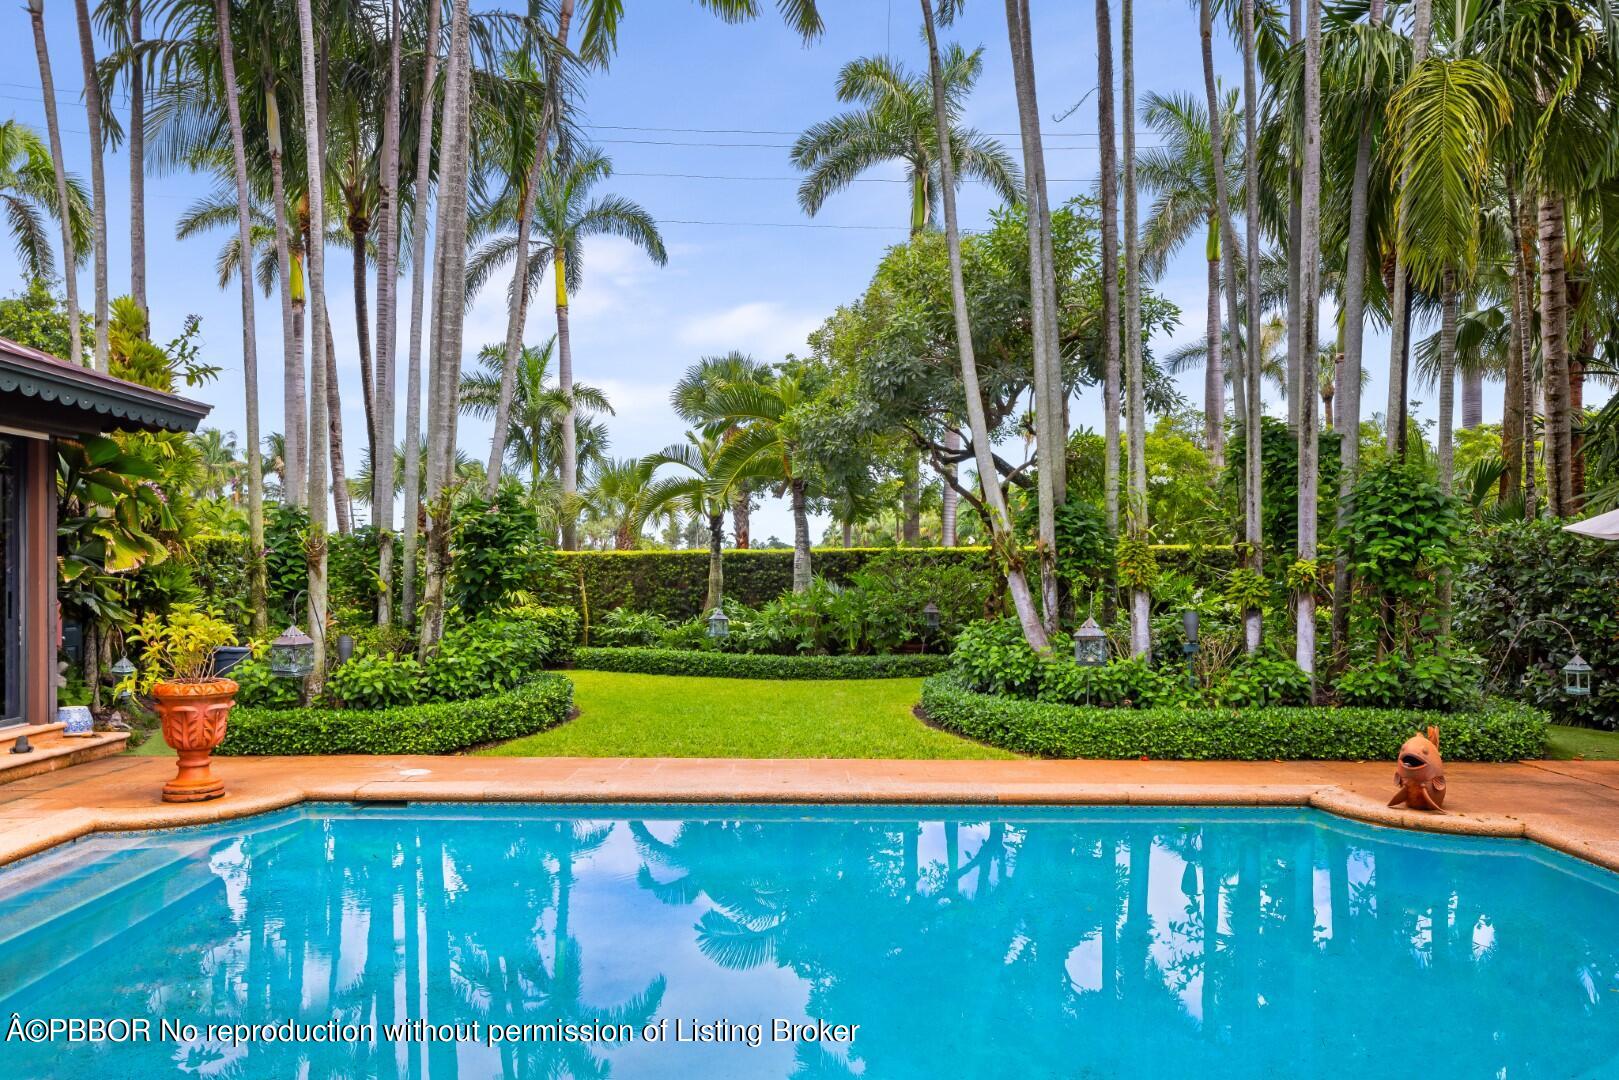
[
  {"x": 786, "y": 225},
  {"x": 799, "y": 179},
  {"x": 781, "y": 131}
]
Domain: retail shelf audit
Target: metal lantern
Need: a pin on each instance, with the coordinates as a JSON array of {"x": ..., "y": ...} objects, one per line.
[
  {"x": 930, "y": 616},
  {"x": 1090, "y": 644},
  {"x": 292, "y": 655},
  {"x": 1189, "y": 625},
  {"x": 123, "y": 671},
  {"x": 1577, "y": 677},
  {"x": 345, "y": 648},
  {"x": 718, "y": 625}
]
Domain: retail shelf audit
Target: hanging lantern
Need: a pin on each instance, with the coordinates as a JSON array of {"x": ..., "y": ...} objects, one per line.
[
  {"x": 930, "y": 616},
  {"x": 292, "y": 655},
  {"x": 345, "y": 648},
  {"x": 123, "y": 671},
  {"x": 718, "y": 625},
  {"x": 1577, "y": 677},
  {"x": 1090, "y": 644}
]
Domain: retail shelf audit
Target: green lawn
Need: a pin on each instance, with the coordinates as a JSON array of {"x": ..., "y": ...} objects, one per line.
[
  {"x": 674, "y": 716},
  {"x": 1566, "y": 743}
]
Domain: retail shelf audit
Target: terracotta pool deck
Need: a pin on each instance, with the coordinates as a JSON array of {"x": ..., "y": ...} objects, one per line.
[{"x": 1572, "y": 806}]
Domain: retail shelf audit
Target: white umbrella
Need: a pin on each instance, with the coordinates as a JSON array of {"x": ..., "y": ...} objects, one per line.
[{"x": 1603, "y": 526}]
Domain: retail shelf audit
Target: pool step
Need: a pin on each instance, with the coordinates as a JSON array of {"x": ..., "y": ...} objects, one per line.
[{"x": 52, "y": 750}]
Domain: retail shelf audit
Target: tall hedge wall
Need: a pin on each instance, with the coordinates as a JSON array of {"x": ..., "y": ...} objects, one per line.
[{"x": 674, "y": 583}]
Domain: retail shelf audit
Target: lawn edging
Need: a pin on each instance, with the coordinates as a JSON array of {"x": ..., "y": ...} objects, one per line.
[
  {"x": 1500, "y": 731},
  {"x": 723, "y": 665},
  {"x": 440, "y": 727}
]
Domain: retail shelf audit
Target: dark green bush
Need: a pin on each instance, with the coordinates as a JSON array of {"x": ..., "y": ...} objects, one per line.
[
  {"x": 1525, "y": 584},
  {"x": 375, "y": 682},
  {"x": 624, "y": 628},
  {"x": 719, "y": 665},
  {"x": 1261, "y": 680},
  {"x": 993, "y": 657},
  {"x": 437, "y": 728},
  {"x": 1499, "y": 731},
  {"x": 498, "y": 653},
  {"x": 491, "y": 546},
  {"x": 1446, "y": 680},
  {"x": 256, "y": 687},
  {"x": 1128, "y": 682}
]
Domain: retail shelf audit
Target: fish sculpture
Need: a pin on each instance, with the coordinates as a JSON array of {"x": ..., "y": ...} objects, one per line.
[{"x": 1420, "y": 773}]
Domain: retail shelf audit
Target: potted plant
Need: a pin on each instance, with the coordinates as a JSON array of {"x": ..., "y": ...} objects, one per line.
[{"x": 177, "y": 674}]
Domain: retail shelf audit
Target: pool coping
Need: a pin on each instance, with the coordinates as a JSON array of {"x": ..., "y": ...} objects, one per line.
[{"x": 1571, "y": 807}]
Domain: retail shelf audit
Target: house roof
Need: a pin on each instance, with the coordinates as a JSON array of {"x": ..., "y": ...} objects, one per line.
[{"x": 38, "y": 388}]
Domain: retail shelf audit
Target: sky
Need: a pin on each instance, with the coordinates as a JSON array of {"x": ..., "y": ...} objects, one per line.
[{"x": 698, "y": 117}]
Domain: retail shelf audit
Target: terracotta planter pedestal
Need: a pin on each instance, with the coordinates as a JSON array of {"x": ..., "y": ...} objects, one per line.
[{"x": 194, "y": 714}]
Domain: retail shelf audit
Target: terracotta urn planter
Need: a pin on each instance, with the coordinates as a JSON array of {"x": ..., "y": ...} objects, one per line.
[{"x": 193, "y": 712}]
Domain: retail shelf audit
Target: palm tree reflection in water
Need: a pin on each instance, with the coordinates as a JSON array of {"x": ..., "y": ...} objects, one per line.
[{"x": 1034, "y": 943}]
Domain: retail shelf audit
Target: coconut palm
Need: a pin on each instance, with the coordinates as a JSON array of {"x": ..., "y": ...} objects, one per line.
[
  {"x": 29, "y": 194},
  {"x": 1253, "y": 535},
  {"x": 565, "y": 215},
  {"x": 1108, "y": 189},
  {"x": 1309, "y": 476},
  {"x": 1180, "y": 173},
  {"x": 73, "y": 244},
  {"x": 534, "y": 417},
  {"x": 1135, "y": 412},
  {"x": 617, "y": 496},
  {"x": 691, "y": 398},
  {"x": 697, "y": 491},
  {"x": 98, "y": 183}
]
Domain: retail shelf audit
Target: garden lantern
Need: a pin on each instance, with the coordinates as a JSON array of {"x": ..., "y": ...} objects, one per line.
[
  {"x": 930, "y": 616},
  {"x": 345, "y": 648},
  {"x": 1577, "y": 677},
  {"x": 718, "y": 625},
  {"x": 123, "y": 671},
  {"x": 1189, "y": 625},
  {"x": 292, "y": 655},
  {"x": 1090, "y": 644}
]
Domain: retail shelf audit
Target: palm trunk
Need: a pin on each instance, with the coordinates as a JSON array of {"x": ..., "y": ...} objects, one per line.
[
  {"x": 1576, "y": 410},
  {"x": 1050, "y": 435},
  {"x": 294, "y": 470},
  {"x": 1140, "y": 599},
  {"x": 910, "y": 498},
  {"x": 382, "y": 461},
  {"x": 1554, "y": 356},
  {"x": 1110, "y": 263},
  {"x": 359, "y": 230},
  {"x": 1295, "y": 253},
  {"x": 1512, "y": 399},
  {"x": 137, "y": 169},
  {"x": 1225, "y": 236},
  {"x": 848, "y": 534},
  {"x": 1472, "y": 398},
  {"x": 1309, "y": 296},
  {"x": 1449, "y": 308},
  {"x": 716, "y": 562},
  {"x": 949, "y": 501},
  {"x": 70, "y": 274},
  {"x": 1400, "y": 332},
  {"x": 1253, "y": 538},
  {"x": 342, "y": 500},
  {"x": 741, "y": 513},
  {"x": 98, "y": 179},
  {"x": 570, "y": 449},
  {"x": 999, "y": 520},
  {"x": 801, "y": 537},
  {"x": 1523, "y": 249},
  {"x": 250, "y": 348},
  {"x": 448, "y": 316},
  {"x": 316, "y": 256},
  {"x": 418, "y": 274}
]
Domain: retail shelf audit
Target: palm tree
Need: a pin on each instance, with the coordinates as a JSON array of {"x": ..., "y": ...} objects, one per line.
[
  {"x": 767, "y": 449},
  {"x": 1253, "y": 535},
  {"x": 564, "y": 216},
  {"x": 1109, "y": 192},
  {"x": 1136, "y": 414},
  {"x": 1309, "y": 291},
  {"x": 98, "y": 183},
  {"x": 698, "y": 492},
  {"x": 534, "y": 414},
  {"x": 691, "y": 398},
  {"x": 250, "y": 362},
  {"x": 1181, "y": 173},
  {"x": 1271, "y": 355},
  {"x": 1000, "y": 522},
  {"x": 72, "y": 247},
  {"x": 317, "y": 370},
  {"x": 382, "y": 493},
  {"x": 28, "y": 193},
  {"x": 895, "y": 124},
  {"x": 617, "y": 496}
]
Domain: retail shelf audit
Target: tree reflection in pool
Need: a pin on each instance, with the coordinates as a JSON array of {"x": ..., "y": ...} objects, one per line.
[{"x": 964, "y": 942}]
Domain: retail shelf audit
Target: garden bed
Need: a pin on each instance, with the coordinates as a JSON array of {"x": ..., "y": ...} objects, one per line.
[
  {"x": 1500, "y": 731},
  {"x": 443, "y": 727},
  {"x": 723, "y": 665}
]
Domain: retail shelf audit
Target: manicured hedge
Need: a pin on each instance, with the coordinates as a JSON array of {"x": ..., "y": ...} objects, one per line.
[
  {"x": 1501, "y": 731},
  {"x": 436, "y": 728},
  {"x": 674, "y": 583},
  {"x": 720, "y": 665}
]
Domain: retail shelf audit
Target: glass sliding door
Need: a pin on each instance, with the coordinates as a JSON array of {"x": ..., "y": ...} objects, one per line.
[{"x": 11, "y": 651}]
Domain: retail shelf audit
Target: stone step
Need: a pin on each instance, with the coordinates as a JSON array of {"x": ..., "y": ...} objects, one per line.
[{"x": 53, "y": 750}]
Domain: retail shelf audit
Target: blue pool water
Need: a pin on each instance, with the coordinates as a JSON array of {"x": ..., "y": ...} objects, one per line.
[{"x": 963, "y": 942}]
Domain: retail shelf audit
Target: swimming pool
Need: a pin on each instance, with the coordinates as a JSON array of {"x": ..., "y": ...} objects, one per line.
[{"x": 867, "y": 941}]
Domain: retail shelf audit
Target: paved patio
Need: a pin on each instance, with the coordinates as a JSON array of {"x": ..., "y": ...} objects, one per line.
[{"x": 1569, "y": 805}]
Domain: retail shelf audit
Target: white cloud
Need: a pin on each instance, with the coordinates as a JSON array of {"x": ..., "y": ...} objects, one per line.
[{"x": 764, "y": 328}]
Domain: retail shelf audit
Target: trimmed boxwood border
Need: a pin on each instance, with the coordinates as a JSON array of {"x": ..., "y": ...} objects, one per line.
[
  {"x": 723, "y": 665},
  {"x": 1500, "y": 731},
  {"x": 442, "y": 727}
]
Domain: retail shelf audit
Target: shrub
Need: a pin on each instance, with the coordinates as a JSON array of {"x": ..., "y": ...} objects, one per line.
[
  {"x": 1498, "y": 731},
  {"x": 1126, "y": 683},
  {"x": 720, "y": 665},
  {"x": 1443, "y": 679},
  {"x": 491, "y": 544},
  {"x": 375, "y": 682},
  {"x": 993, "y": 657},
  {"x": 1261, "y": 680},
  {"x": 624, "y": 628},
  {"x": 256, "y": 687},
  {"x": 1516, "y": 596},
  {"x": 437, "y": 728},
  {"x": 498, "y": 653}
]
